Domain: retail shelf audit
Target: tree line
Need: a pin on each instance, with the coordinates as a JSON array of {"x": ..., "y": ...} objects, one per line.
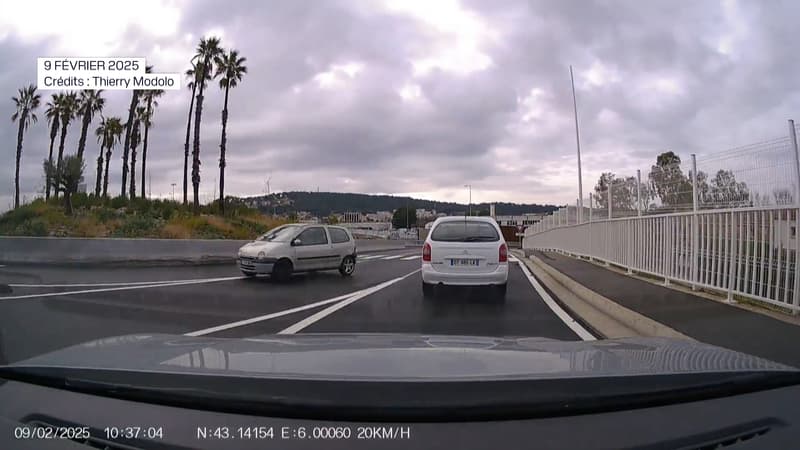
[
  {"x": 63, "y": 175},
  {"x": 667, "y": 183}
]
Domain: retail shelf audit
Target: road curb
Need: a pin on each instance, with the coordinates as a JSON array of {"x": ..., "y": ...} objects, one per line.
[{"x": 605, "y": 315}]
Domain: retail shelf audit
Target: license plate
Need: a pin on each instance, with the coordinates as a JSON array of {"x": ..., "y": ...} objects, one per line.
[
  {"x": 246, "y": 261},
  {"x": 464, "y": 262}
]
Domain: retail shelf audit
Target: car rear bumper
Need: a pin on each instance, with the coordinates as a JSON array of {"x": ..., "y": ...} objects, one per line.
[
  {"x": 432, "y": 276},
  {"x": 253, "y": 266}
]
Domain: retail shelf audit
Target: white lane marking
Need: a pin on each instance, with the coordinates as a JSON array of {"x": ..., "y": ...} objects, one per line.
[
  {"x": 124, "y": 288},
  {"x": 119, "y": 283},
  {"x": 337, "y": 306},
  {"x": 409, "y": 258},
  {"x": 393, "y": 257},
  {"x": 371, "y": 256},
  {"x": 566, "y": 318},
  {"x": 2, "y": 265},
  {"x": 252, "y": 320}
]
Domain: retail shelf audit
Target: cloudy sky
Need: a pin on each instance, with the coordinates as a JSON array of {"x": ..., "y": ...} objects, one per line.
[{"x": 423, "y": 96}]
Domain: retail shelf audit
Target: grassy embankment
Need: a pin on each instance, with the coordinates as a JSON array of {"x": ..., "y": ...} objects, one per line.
[{"x": 139, "y": 218}]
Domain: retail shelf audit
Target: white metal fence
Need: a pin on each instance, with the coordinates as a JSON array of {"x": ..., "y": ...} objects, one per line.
[{"x": 749, "y": 250}]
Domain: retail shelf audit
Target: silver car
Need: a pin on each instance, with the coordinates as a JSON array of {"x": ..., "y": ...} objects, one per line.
[{"x": 299, "y": 248}]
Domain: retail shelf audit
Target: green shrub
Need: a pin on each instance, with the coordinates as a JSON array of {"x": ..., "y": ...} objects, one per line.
[
  {"x": 118, "y": 202},
  {"x": 17, "y": 216},
  {"x": 33, "y": 227},
  {"x": 138, "y": 226},
  {"x": 82, "y": 200}
]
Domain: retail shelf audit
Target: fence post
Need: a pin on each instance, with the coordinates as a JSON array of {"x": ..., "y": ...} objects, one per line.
[
  {"x": 695, "y": 229},
  {"x": 793, "y": 136},
  {"x": 591, "y": 249},
  {"x": 638, "y": 193},
  {"x": 610, "y": 193},
  {"x": 733, "y": 237}
]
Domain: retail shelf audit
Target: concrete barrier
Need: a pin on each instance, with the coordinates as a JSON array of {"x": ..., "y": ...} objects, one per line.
[{"x": 112, "y": 251}]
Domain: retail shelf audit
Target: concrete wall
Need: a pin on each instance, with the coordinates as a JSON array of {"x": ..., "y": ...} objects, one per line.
[{"x": 35, "y": 250}]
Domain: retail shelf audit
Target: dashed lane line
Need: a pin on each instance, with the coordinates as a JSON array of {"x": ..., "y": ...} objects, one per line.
[
  {"x": 337, "y": 306},
  {"x": 109, "y": 284},
  {"x": 393, "y": 257},
  {"x": 123, "y": 288},
  {"x": 371, "y": 257},
  {"x": 409, "y": 258}
]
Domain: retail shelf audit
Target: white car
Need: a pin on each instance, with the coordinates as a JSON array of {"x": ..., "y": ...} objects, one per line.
[
  {"x": 299, "y": 248},
  {"x": 465, "y": 251}
]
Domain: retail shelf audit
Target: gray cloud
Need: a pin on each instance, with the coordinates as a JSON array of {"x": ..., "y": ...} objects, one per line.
[{"x": 650, "y": 76}]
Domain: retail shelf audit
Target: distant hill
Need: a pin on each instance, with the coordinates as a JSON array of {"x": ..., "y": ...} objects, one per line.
[{"x": 322, "y": 204}]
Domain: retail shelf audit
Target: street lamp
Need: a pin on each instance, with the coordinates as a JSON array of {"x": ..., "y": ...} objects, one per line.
[{"x": 470, "y": 197}]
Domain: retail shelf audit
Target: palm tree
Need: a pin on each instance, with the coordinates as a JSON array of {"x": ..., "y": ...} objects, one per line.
[
  {"x": 26, "y": 101},
  {"x": 66, "y": 178},
  {"x": 206, "y": 51},
  {"x": 230, "y": 69},
  {"x": 105, "y": 138},
  {"x": 193, "y": 75},
  {"x": 136, "y": 138},
  {"x": 128, "y": 128},
  {"x": 89, "y": 103},
  {"x": 147, "y": 120},
  {"x": 112, "y": 133},
  {"x": 52, "y": 114},
  {"x": 67, "y": 106}
]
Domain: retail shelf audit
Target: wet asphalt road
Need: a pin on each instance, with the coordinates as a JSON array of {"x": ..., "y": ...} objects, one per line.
[{"x": 50, "y": 308}]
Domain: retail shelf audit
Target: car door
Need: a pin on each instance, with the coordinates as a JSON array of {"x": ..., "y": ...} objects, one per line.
[
  {"x": 312, "y": 249},
  {"x": 342, "y": 244}
]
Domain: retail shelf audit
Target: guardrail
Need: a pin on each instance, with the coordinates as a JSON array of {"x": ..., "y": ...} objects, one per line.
[{"x": 752, "y": 253}]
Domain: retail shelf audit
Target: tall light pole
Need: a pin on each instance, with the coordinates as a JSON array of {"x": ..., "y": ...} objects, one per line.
[
  {"x": 470, "y": 198},
  {"x": 578, "y": 142}
]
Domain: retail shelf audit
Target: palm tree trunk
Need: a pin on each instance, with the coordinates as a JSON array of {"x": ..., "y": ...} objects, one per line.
[
  {"x": 19, "y": 157},
  {"x": 198, "y": 112},
  {"x": 127, "y": 144},
  {"x": 186, "y": 146},
  {"x": 64, "y": 125},
  {"x": 144, "y": 143},
  {"x": 133, "y": 160},
  {"x": 105, "y": 176},
  {"x": 53, "y": 134},
  {"x": 87, "y": 119},
  {"x": 98, "y": 184},
  {"x": 222, "y": 143}
]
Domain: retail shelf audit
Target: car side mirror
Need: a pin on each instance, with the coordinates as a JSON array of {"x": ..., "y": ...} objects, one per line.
[{"x": 296, "y": 242}]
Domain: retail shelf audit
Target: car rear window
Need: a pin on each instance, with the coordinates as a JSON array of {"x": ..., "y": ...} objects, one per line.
[
  {"x": 338, "y": 235},
  {"x": 466, "y": 231}
]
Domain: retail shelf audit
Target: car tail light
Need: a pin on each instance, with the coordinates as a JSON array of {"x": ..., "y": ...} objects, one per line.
[
  {"x": 503, "y": 253},
  {"x": 426, "y": 252}
]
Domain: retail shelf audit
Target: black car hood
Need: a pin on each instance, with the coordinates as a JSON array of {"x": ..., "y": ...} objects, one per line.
[{"x": 399, "y": 357}]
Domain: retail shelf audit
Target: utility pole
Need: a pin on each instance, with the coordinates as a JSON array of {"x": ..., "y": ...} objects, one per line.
[{"x": 578, "y": 142}]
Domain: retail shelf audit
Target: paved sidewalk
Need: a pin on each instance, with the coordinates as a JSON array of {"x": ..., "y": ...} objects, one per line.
[{"x": 703, "y": 319}]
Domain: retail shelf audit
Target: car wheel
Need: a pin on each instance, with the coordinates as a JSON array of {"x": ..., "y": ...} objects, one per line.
[
  {"x": 249, "y": 274},
  {"x": 348, "y": 266},
  {"x": 282, "y": 270},
  {"x": 428, "y": 290}
]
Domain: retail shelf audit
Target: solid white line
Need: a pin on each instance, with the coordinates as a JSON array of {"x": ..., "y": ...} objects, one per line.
[
  {"x": 120, "y": 283},
  {"x": 252, "y": 320},
  {"x": 410, "y": 258},
  {"x": 371, "y": 256},
  {"x": 393, "y": 257},
  {"x": 124, "y": 288},
  {"x": 566, "y": 318},
  {"x": 337, "y": 306}
]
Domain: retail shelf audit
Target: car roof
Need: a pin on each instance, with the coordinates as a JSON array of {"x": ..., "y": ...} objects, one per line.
[{"x": 486, "y": 219}]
